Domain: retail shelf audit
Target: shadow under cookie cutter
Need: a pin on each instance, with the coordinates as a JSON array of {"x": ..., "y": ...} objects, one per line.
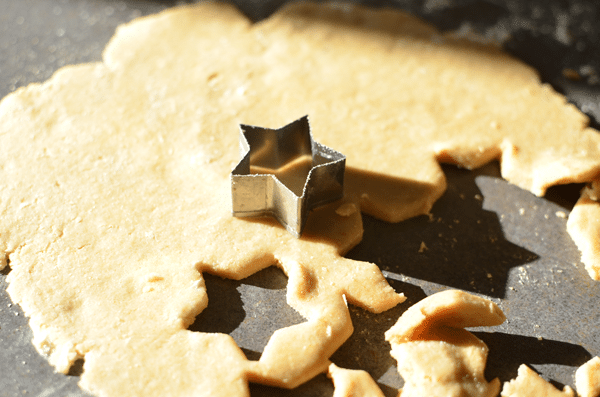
[{"x": 284, "y": 173}]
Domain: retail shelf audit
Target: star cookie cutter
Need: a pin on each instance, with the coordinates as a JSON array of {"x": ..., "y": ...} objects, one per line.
[{"x": 284, "y": 173}]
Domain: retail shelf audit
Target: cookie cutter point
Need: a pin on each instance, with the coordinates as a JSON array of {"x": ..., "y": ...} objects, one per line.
[{"x": 284, "y": 173}]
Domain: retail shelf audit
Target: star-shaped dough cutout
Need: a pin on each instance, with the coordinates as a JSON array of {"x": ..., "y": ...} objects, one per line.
[{"x": 285, "y": 173}]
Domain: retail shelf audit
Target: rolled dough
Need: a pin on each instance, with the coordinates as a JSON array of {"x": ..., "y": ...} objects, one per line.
[{"x": 115, "y": 194}]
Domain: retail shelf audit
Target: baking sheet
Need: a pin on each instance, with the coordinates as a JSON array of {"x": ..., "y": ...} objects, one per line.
[{"x": 486, "y": 236}]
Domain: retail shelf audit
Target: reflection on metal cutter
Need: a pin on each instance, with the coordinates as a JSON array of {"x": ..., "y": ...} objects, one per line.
[{"x": 284, "y": 173}]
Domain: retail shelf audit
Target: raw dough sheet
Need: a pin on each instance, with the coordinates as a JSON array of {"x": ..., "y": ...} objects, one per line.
[{"x": 523, "y": 259}]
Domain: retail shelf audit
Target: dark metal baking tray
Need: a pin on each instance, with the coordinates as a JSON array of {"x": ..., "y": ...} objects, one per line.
[{"x": 510, "y": 245}]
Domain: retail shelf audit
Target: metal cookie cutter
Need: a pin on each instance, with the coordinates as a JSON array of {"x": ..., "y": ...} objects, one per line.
[{"x": 285, "y": 173}]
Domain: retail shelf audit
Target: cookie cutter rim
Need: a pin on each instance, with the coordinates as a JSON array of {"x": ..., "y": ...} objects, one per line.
[{"x": 264, "y": 194}]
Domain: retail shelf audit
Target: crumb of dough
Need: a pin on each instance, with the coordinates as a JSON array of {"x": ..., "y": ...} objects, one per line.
[
  {"x": 584, "y": 228},
  {"x": 118, "y": 169},
  {"x": 423, "y": 247},
  {"x": 346, "y": 209},
  {"x": 435, "y": 355},
  {"x": 561, "y": 214},
  {"x": 352, "y": 383},
  {"x": 529, "y": 384},
  {"x": 587, "y": 378}
]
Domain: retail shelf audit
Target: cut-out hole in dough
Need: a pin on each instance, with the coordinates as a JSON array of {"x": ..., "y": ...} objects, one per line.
[
  {"x": 250, "y": 310},
  {"x": 367, "y": 349},
  {"x": 225, "y": 311}
]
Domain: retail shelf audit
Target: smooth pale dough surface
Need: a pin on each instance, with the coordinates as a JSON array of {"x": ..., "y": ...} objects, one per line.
[
  {"x": 353, "y": 383},
  {"x": 435, "y": 355},
  {"x": 587, "y": 378},
  {"x": 584, "y": 227},
  {"x": 529, "y": 384},
  {"x": 116, "y": 195}
]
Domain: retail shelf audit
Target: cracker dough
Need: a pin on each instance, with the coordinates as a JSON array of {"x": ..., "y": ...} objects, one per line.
[
  {"x": 530, "y": 384},
  {"x": 436, "y": 356},
  {"x": 587, "y": 378},
  {"x": 352, "y": 383},
  {"x": 115, "y": 177},
  {"x": 584, "y": 227},
  {"x": 117, "y": 198}
]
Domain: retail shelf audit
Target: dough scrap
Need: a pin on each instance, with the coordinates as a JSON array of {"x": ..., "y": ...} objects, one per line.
[
  {"x": 116, "y": 173},
  {"x": 352, "y": 383},
  {"x": 584, "y": 227},
  {"x": 436, "y": 356},
  {"x": 530, "y": 384},
  {"x": 587, "y": 378}
]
